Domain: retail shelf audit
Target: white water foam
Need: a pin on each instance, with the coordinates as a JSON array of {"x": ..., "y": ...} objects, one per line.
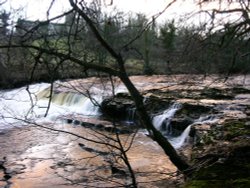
[
  {"x": 162, "y": 121},
  {"x": 179, "y": 141},
  {"x": 71, "y": 103},
  {"x": 20, "y": 105},
  {"x": 32, "y": 105}
]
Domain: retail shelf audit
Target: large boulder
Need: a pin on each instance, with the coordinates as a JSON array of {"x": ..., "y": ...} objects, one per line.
[
  {"x": 117, "y": 106},
  {"x": 179, "y": 124},
  {"x": 155, "y": 103}
]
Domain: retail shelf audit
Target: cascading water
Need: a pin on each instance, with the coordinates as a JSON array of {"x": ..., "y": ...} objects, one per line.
[
  {"x": 19, "y": 104},
  {"x": 73, "y": 103},
  {"x": 163, "y": 123},
  {"x": 179, "y": 141},
  {"x": 130, "y": 116},
  {"x": 22, "y": 104},
  {"x": 32, "y": 105}
]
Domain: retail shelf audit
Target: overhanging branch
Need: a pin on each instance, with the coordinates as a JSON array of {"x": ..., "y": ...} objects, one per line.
[
  {"x": 88, "y": 65},
  {"x": 91, "y": 25}
]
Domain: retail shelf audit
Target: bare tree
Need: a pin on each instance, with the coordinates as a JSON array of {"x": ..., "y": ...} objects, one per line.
[{"x": 64, "y": 54}]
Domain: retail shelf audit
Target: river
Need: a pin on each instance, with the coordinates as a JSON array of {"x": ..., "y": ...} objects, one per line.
[{"x": 36, "y": 155}]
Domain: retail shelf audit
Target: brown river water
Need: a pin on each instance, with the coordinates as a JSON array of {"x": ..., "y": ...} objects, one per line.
[{"x": 37, "y": 157}]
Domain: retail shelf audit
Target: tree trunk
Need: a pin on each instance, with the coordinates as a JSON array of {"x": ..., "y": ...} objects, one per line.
[
  {"x": 146, "y": 121},
  {"x": 143, "y": 115},
  {"x": 3, "y": 75}
]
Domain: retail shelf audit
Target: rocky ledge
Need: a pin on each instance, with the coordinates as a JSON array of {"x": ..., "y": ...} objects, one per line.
[
  {"x": 37, "y": 157},
  {"x": 220, "y": 147}
]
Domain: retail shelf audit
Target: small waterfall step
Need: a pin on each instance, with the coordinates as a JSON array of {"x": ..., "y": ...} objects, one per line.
[
  {"x": 163, "y": 123},
  {"x": 181, "y": 140},
  {"x": 73, "y": 102}
]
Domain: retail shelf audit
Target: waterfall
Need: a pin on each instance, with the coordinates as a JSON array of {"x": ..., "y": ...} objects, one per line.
[
  {"x": 162, "y": 121},
  {"x": 130, "y": 116},
  {"x": 19, "y": 104},
  {"x": 73, "y": 102},
  {"x": 32, "y": 104},
  {"x": 179, "y": 141},
  {"x": 68, "y": 99}
]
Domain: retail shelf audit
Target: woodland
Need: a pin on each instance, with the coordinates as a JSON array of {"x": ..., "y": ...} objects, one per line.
[{"x": 96, "y": 98}]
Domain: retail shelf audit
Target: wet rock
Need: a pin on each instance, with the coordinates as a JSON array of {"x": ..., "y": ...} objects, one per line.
[
  {"x": 15, "y": 169},
  {"x": 227, "y": 168},
  {"x": 76, "y": 122},
  {"x": 67, "y": 165},
  {"x": 117, "y": 172},
  {"x": 240, "y": 152},
  {"x": 69, "y": 121},
  {"x": 92, "y": 150},
  {"x": 124, "y": 131},
  {"x": 156, "y": 103},
  {"x": 122, "y": 107},
  {"x": 99, "y": 126},
  {"x": 91, "y": 125},
  {"x": 215, "y": 93},
  {"x": 240, "y": 90},
  {"x": 1, "y": 165},
  {"x": 120, "y": 130},
  {"x": 7, "y": 176},
  {"x": 194, "y": 111},
  {"x": 236, "y": 128},
  {"x": 118, "y": 106},
  {"x": 6, "y": 173},
  {"x": 180, "y": 124},
  {"x": 87, "y": 125}
]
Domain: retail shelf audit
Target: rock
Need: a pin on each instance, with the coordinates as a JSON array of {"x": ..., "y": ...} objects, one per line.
[
  {"x": 7, "y": 176},
  {"x": 76, "y": 122},
  {"x": 215, "y": 93},
  {"x": 194, "y": 111},
  {"x": 109, "y": 129},
  {"x": 118, "y": 106},
  {"x": 180, "y": 124},
  {"x": 3, "y": 184},
  {"x": 228, "y": 167},
  {"x": 1, "y": 164},
  {"x": 240, "y": 90},
  {"x": 87, "y": 124},
  {"x": 92, "y": 150},
  {"x": 240, "y": 152},
  {"x": 99, "y": 126},
  {"x": 117, "y": 172},
  {"x": 121, "y": 105},
  {"x": 69, "y": 121},
  {"x": 156, "y": 103},
  {"x": 236, "y": 128}
]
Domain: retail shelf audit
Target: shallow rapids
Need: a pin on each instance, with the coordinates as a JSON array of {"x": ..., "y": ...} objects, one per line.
[{"x": 38, "y": 104}]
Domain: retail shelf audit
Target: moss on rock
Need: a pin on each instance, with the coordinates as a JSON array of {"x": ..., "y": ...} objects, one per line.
[{"x": 235, "y": 129}]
